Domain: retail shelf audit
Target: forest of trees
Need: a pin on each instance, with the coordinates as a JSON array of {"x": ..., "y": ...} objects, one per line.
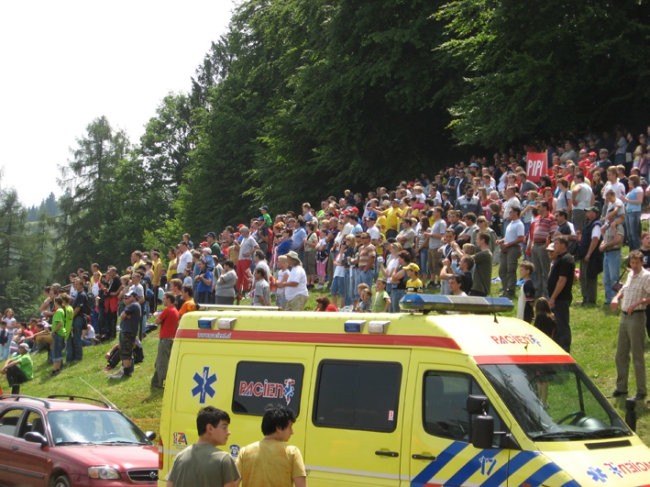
[{"x": 301, "y": 98}]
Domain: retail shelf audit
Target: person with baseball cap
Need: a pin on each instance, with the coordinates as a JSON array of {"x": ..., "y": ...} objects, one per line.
[{"x": 19, "y": 368}]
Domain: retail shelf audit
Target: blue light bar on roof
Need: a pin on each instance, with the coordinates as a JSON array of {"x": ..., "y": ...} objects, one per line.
[{"x": 465, "y": 304}]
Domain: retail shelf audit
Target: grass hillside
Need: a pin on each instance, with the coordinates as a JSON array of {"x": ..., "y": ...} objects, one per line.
[
  {"x": 88, "y": 378},
  {"x": 594, "y": 345}
]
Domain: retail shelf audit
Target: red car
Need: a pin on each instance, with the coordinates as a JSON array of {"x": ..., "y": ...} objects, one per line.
[{"x": 69, "y": 441}]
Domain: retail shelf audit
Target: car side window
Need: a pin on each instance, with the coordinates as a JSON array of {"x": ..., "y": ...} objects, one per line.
[
  {"x": 33, "y": 423},
  {"x": 357, "y": 395},
  {"x": 9, "y": 421},
  {"x": 444, "y": 408}
]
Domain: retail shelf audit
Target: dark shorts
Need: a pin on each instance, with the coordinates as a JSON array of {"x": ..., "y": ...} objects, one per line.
[{"x": 127, "y": 343}]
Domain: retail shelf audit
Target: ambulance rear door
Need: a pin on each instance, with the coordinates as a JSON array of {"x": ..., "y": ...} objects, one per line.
[
  {"x": 441, "y": 452},
  {"x": 354, "y": 433}
]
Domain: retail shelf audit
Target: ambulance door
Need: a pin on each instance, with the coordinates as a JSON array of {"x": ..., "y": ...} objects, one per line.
[
  {"x": 440, "y": 451},
  {"x": 354, "y": 433}
]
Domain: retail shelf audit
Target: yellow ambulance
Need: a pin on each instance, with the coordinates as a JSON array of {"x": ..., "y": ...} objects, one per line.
[{"x": 431, "y": 396}]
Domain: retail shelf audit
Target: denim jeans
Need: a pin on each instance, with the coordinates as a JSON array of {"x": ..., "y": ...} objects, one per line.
[
  {"x": 74, "y": 350},
  {"x": 366, "y": 277},
  {"x": 395, "y": 296},
  {"x": 348, "y": 294},
  {"x": 633, "y": 229},
  {"x": 611, "y": 271},
  {"x": 422, "y": 260},
  {"x": 58, "y": 345}
]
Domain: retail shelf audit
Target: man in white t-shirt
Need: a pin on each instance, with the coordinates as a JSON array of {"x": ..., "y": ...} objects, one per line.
[
  {"x": 295, "y": 289},
  {"x": 247, "y": 246},
  {"x": 184, "y": 259}
]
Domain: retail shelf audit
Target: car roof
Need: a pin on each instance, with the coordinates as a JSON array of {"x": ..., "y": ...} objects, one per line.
[{"x": 57, "y": 402}]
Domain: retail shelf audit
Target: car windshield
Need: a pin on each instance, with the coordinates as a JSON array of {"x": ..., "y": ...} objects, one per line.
[
  {"x": 96, "y": 427},
  {"x": 554, "y": 402}
]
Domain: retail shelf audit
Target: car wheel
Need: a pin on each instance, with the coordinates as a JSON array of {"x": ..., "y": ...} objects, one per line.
[{"x": 61, "y": 481}]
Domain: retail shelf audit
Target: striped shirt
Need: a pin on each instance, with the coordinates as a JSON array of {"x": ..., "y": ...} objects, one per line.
[
  {"x": 636, "y": 288},
  {"x": 544, "y": 228}
]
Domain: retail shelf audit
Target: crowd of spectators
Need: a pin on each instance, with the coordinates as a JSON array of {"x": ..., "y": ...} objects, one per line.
[{"x": 439, "y": 233}]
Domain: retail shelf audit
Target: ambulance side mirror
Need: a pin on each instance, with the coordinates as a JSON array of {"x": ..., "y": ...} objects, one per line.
[
  {"x": 482, "y": 431},
  {"x": 477, "y": 404},
  {"x": 482, "y": 423}
]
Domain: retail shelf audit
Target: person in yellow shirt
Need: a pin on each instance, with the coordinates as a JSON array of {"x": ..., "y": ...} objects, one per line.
[
  {"x": 414, "y": 284},
  {"x": 393, "y": 216},
  {"x": 171, "y": 267},
  {"x": 272, "y": 462}
]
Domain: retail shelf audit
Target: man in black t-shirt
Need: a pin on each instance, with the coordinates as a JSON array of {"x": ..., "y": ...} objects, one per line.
[
  {"x": 129, "y": 327},
  {"x": 74, "y": 348},
  {"x": 560, "y": 282}
]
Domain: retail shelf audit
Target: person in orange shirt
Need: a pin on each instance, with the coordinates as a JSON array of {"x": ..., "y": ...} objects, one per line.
[{"x": 187, "y": 293}]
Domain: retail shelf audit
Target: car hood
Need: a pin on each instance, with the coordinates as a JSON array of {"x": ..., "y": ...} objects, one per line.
[{"x": 122, "y": 457}]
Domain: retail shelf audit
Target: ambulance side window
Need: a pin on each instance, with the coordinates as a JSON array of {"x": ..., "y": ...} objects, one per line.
[
  {"x": 444, "y": 409},
  {"x": 258, "y": 384},
  {"x": 357, "y": 395}
]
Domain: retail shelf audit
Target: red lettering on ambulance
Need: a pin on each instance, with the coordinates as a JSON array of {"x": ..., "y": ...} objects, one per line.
[{"x": 245, "y": 388}]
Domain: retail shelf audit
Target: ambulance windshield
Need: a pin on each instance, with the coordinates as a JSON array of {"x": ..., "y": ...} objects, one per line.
[{"x": 554, "y": 402}]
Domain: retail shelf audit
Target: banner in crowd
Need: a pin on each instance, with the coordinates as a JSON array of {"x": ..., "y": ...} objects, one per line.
[{"x": 536, "y": 165}]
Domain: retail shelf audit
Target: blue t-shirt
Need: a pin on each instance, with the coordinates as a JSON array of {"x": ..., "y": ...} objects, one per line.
[
  {"x": 633, "y": 194},
  {"x": 284, "y": 247},
  {"x": 298, "y": 238},
  {"x": 202, "y": 287}
]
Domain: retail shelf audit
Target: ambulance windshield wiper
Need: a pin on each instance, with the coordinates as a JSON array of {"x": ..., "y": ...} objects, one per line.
[
  {"x": 609, "y": 433},
  {"x": 580, "y": 435},
  {"x": 561, "y": 435}
]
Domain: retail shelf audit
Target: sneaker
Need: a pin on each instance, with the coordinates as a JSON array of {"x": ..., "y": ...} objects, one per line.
[
  {"x": 117, "y": 375},
  {"x": 54, "y": 372},
  {"x": 618, "y": 393},
  {"x": 640, "y": 396}
]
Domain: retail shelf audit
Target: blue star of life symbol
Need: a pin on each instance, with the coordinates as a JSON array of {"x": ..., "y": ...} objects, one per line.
[
  {"x": 597, "y": 474},
  {"x": 204, "y": 384}
]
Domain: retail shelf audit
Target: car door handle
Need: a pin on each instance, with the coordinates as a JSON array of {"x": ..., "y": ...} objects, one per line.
[
  {"x": 417, "y": 456},
  {"x": 386, "y": 453}
]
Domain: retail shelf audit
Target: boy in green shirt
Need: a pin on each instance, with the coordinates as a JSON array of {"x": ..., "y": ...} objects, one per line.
[
  {"x": 381, "y": 298},
  {"x": 19, "y": 368}
]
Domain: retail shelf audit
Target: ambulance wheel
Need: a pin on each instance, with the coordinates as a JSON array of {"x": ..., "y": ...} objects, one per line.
[{"x": 574, "y": 417}]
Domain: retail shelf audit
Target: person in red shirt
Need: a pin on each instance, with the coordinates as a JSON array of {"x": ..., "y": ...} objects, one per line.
[{"x": 168, "y": 321}]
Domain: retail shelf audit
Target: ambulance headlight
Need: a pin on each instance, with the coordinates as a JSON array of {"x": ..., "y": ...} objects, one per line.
[{"x": 103, "y": 472}]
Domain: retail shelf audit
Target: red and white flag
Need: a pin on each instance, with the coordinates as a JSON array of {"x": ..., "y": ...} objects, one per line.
[{"x": 536, "y": 165}]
